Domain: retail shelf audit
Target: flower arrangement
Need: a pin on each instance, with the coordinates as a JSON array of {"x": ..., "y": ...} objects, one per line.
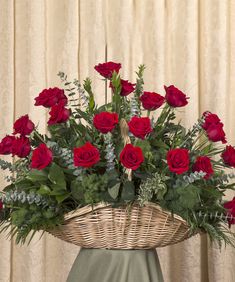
[{"x": 123, "y": 152}]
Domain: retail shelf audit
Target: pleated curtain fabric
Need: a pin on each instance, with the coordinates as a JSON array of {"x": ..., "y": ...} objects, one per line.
[{"x": 188, "y": 43}]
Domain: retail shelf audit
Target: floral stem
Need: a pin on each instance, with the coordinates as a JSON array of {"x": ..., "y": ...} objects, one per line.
[{"x": 38, "y": 136}]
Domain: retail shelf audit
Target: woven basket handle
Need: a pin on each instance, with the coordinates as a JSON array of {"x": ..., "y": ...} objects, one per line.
[{"x": 126, "y": 139}]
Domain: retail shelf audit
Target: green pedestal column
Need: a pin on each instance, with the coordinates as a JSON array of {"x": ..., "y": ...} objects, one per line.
[{"x": 100, "y": 265}]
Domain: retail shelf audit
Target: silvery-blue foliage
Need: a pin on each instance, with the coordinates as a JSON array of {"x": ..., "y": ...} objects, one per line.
[{"x": 109, "y": 150}]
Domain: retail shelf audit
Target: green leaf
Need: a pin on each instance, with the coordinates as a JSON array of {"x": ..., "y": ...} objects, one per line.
[
  {"x": 105, "y": 108},
  {"x": 56, "y": 176},
  {"x": 24, "y": 184},
  {"x": 159, "y": 143},
  {"x": 141, "y": 175},
  {"x": 76, "y": 190},
  {"x": 57, "y": 189},
  {"x": 61, "y": 198},
  {"x": 83, "y": 115},
  {"x": 114, "y": 191},
  {"x": 37, "y": 175},
  {"x": 112, "y": 175},
  {"x": 128, "y": 191},
  {"x": 119, "y": 147},
  {"x": 87, "y": 86},
  {"x": 144, "y": 145},
  {"x": 81, "y": 128},
  {"x": 9, "y": 187},
  {"x": 44, "y": 190},
  {"x": 188, "y": 196},
  {"x": 91, "y": 103},
  {"x": 48, "y": 214},
  {"x": 19, "y": 216},
  {"x": 160, "y": 191}
]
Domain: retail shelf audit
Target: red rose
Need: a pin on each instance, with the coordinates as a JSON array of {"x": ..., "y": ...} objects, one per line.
[
  {"x": 6, "y": 145},
  {"x": 175, "y": 97},
  {"x": 230, "y": 206},
  {"x": 23, "y": 126},
  {"x": 214, "y": 127},
  {"x": 105, "y": 121},
  {"x": 228, "y": 156},
  {"x": 216, "y": 133},
  {"x": 21, "y": 147},
  {"x": 131, "y": 157},
  {"x": 41, "y": 157},
  {"x": 140, "y": 126},
  {"x": 86, "y": 156},
  {"x": 50, "y": 97},
  {"x": 126, "y": 87},
  {"x": 107, "y": 69},
  {"x": 203, "y": 163},
  {"x": 151, "y": 100},
  {"x": 178, "y": 160},
  {"x": 58, "y": 114},
  {"x": 209, "y": 120}
]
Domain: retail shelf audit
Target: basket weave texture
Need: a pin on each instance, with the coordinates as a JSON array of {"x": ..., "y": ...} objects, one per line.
[{"x": 124, "y": 227}]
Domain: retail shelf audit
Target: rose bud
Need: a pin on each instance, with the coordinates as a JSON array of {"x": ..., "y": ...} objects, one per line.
[
  {"x": 41, "y": 157},
  {"x": 175, "y": 97},
  {"x": 131, "y": 157},
  {"x": 126, "y": 87},
  {"x": 151, "y": 101},
  {"x": 107, "y": 69},
  {"x": 203, "y": 164},
  {"x": 209, "y": 120},
  {"x": 228, "y": 156},
  {"x": 105, "y": 122},
  {"x": 140, "y": 126},
  {"x": 216, "y": 133},
  {"x": 50, "y": 97},
  {"x": 23, "y": 125},
  {"x": 178, "y": 160},
  {"x": 86, "y": 155},
  {"x": 58, "y": 114},
  {"x": 230, "y": 206},
  {"x": 6, "y": 145},
  {"x": 21, "y": 147}
]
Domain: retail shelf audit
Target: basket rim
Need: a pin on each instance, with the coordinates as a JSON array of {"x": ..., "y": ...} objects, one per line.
[{"x": 102, "y": 205}]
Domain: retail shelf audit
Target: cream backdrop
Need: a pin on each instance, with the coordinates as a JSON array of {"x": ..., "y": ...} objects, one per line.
[{"x": 189, "y": 43}]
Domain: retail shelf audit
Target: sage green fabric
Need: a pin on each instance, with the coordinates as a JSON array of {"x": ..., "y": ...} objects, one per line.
[{"x": 100, "y": 265}]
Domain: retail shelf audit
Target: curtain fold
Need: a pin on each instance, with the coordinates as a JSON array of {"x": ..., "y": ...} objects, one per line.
[{"x": 188, "y": 43}]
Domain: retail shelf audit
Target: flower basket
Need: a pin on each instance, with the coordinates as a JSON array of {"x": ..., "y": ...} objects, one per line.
[
  {"x": 103, "y": 226},
  {"x": 161, "y": 182}
]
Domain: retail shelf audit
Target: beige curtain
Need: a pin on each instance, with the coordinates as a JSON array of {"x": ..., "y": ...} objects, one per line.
[{"x": 189, "y": 43}]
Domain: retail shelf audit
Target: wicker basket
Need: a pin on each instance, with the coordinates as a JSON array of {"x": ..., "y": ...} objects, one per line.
[{"x": 121, "y": 228}]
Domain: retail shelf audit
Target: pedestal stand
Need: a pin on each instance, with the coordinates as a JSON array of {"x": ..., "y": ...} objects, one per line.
[{"x": 101, "y": 265}]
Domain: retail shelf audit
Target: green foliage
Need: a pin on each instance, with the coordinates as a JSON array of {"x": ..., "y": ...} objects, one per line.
[
  {"x": 91, "y": 190},
  {"x": 181, "y": 200},
  {"x": 139, "y": 81},
  {"x": 114, "y": 190},
  {"x": 152, "y": 189},
  {"x": 6, "y": 165},
  {"x": 128, "y": 192},
  {"x": 57, "y": 177},
  {"x": 88, "y": 89},
  {"x": 144, "y": 145},
  {"x": 37, "y": 175},
  {"x": 188, "y": 197},
  {"x": 25, "y": 213}
]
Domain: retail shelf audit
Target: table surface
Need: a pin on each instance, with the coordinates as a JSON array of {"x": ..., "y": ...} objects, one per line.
[{"x": 101, "y": 265}]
